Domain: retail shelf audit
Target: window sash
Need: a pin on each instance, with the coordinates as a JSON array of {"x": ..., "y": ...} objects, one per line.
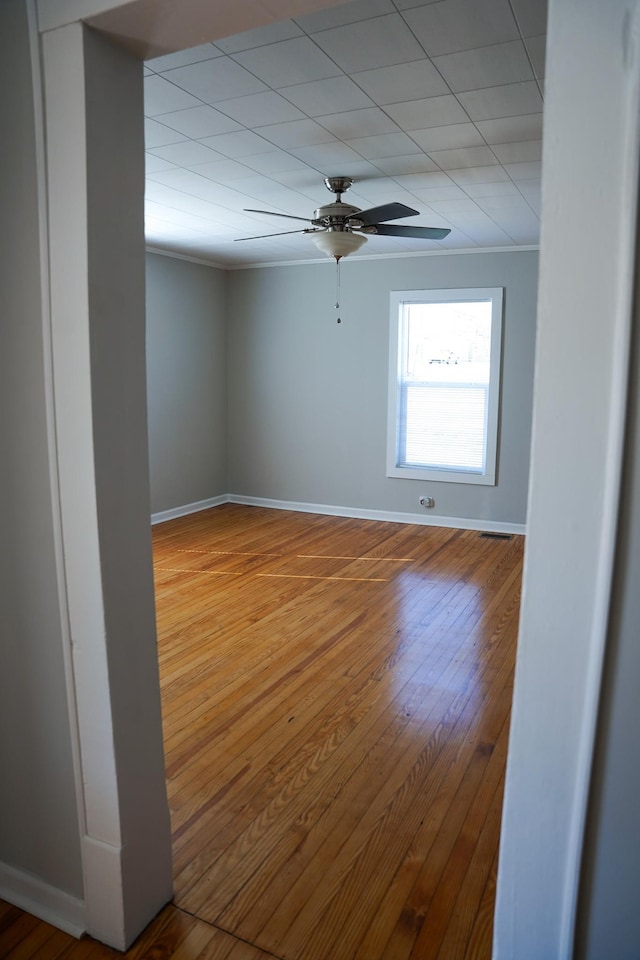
[{"x": 464, "y": 449}]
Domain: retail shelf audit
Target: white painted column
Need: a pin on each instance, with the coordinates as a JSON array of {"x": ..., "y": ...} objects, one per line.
[
  {"x": 587, "y": 274},
  {"x": 95, "y": 174}
]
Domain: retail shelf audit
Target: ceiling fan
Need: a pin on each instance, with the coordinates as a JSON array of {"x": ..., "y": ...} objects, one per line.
[{"x": 339, "y": 229}]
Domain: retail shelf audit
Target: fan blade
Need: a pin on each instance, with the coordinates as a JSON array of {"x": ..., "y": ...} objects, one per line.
[
  {"x": 388, "y": 211},
  {"x": 281, "y": 234},
  {"x": 423, "y": 233},
  {"x": 263, "y": 235},
  {"x": 270, "y": 213}
]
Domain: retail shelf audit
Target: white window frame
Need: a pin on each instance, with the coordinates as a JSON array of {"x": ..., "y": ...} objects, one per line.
[{"x": 398, "y": 300}]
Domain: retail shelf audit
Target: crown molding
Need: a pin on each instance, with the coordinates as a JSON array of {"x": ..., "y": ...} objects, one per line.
[
  {"x": 463, "y": 251},
  {"x": 174, "y": 255}
]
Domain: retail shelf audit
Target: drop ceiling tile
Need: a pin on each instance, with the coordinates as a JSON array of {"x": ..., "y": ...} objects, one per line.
[
  {"x": 399, "y": 246},
  {"x": 326, "y": 153},
  {"x": 402, "y": 81},
  {"x": 485, "y": 67},
  {"x": 397, "y": 166},
  {"x": 275, "y": 161},
  {"x": 460, "y": 205},
  {"x": 480, "y": 228},
  {"x": 358, "y": 199},
  {"x": 370, "y": 44},
  {"x": 178, "y": 180},
  {"x": 240, "y": 143},
  {"x": 198, "y": 122},
  {"x": 511, "y": 129},
  {"x": 511, "y": 100},
  {"x": 206, "y": 51},
  {"x": 225, "y": 171},
  {"x": 359, "y": 123},
  {"x": 501, "y": 188},
  {"x": 185, "y": 219},
  {"x": 457, "y": 240},
  {"x": 521, "y": 152},
  {"x": 433, "y": 194},
  {"x": 384, "y": 145},
  {"x": 532, "y": 192},
  {"x": 146, "y": 72},
  {"x": 410, "y": 4},
  {"x": 260, "y": 37},
  {"x": 160, "y": 96},
  {"x": 479, "y": 175},
  {"x": 358, "y": 169},
  {"x": 456, "y": 25},
  {"x": 195, "y": 185},
  {"x": 287, "y": 63},
  {"x": 182, "y": 200},
  {"x": 381, "y": 190},
  {"x": 214, "y": 80},
  {"x": 344, "y": 13},
  {"x": 504, "y": 205},
  {"x": 537, "y": 48},
  {"x": 253, "y": 222},
  {"x": 157, "y": 135},
  {"x": 296, "y": 133},
  {"x": 259, "y": 109},
  {"x": 536, "y": 206},
  {"x": 463, "y": 157},
  {"x": 277, "y": 196},
  {"x": 153, "y": 164},
  {"x": 187, "y": 153},
  {"x": 531, "y": 16},
  {"x": 323, "y": 97},
  {"x": 514, "y": 216},
  {"x": 449, "y": 137},
  {"x": 307, "y": 181},
  {"x": 424, "y": 181},
  {"x": 159, "y": 229},
  {"x": 530, "y": 188},
  {"x": 431, "y": 112},
  {"x": 524, "y": 171}
]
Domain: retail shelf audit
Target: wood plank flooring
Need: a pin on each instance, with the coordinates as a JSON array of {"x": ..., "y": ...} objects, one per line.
[{"x": 336, "y": 698}]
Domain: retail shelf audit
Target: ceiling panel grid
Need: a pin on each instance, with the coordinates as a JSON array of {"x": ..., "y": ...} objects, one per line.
[{"x": 435, "y": 104}]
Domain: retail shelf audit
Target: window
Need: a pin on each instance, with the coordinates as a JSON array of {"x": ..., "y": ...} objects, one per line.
[{"x": 444, "y": 384}]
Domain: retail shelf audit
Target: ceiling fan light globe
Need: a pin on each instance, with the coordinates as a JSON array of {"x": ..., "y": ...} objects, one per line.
[{"x": 338, "y": 243}]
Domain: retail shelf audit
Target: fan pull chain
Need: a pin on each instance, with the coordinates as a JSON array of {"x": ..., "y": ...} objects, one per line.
[{"x": 338, "y": 320}]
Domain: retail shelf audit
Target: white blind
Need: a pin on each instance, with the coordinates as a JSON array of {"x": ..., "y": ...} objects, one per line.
[{"x": 443, "y": 425}]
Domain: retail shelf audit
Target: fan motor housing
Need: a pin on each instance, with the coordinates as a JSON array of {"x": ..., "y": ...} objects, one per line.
[{"x": 335, "y": 214}]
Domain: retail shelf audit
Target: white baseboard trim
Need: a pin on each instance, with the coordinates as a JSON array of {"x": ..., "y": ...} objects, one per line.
[
  {"x": 431, "y": 520},
  {"x": 357, "y": 513},
  {"x": 188, "y": 508},
  {"x": 42, "y": 900}
]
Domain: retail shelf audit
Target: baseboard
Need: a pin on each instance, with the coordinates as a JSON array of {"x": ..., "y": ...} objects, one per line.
[
  {"x": 188, "y": 508},
  {"x": 357, "y": 513},
  {"x": 426, "y": 520},
  {"x": 42, "y": 900}
]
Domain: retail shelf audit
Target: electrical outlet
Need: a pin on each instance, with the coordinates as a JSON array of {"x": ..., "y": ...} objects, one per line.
[{"x": 427, "y": 502}]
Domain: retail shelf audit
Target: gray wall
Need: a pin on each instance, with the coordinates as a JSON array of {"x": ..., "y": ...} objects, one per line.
[
  {"x": 186, "y": 381},
  {"x": 38, "y": 821},
  {"x": 308, "y": 397}
]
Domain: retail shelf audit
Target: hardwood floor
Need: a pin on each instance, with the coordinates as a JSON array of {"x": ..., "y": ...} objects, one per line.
[{"x": 336, "y": 698}]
